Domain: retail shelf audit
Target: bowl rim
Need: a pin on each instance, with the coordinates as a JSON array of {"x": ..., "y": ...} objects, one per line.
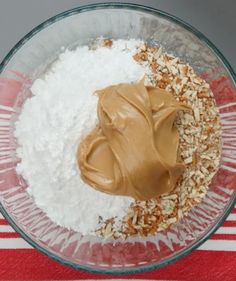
[{"x": 199, "y": 35}]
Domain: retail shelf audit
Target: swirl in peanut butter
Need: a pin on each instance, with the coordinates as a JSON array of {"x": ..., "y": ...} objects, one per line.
[{"x": 133, "y": 150}]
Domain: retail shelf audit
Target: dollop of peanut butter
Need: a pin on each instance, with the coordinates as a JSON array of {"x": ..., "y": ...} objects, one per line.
[{"x": 133, "y": 151}]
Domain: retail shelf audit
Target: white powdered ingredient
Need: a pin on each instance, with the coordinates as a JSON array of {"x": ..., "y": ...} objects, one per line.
[{"x": 52, "y": 123}]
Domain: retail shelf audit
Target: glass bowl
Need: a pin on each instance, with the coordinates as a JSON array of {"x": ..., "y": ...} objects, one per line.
[{"x": 32, "y": 55}]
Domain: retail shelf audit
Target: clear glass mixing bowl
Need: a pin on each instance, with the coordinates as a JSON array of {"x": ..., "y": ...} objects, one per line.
[{"x": 32, "y": 55}]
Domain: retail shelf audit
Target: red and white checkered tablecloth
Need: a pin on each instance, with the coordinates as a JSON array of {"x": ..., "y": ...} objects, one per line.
[{"x": 215, "y": 260}]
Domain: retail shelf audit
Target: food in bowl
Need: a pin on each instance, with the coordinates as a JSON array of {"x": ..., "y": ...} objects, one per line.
[{"x": 61, "y": 113}]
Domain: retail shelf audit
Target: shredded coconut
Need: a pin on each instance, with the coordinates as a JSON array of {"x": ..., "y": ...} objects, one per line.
[{"x": 52, "y": 123}]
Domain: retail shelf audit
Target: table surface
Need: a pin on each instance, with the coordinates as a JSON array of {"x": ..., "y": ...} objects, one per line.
[{"x": 215, "y": 18}]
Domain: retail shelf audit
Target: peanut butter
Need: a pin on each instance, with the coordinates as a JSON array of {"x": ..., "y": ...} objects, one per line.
[{"x": 133, "y": 151}]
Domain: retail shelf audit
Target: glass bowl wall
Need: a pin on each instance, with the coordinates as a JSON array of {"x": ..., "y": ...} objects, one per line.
[{"x": 31, "y": 57}]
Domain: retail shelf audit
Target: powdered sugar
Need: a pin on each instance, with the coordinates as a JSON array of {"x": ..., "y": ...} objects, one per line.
[{"x": 52, "y": 123}]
